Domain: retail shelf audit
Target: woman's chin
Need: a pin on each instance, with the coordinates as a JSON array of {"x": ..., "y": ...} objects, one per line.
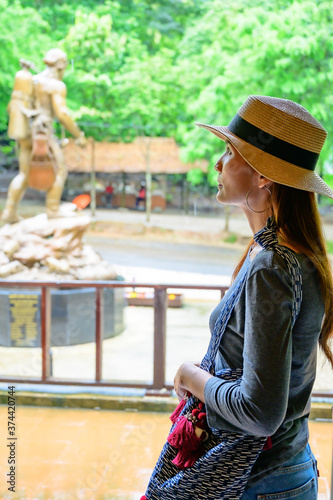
[{"x": 220, "y": 198}]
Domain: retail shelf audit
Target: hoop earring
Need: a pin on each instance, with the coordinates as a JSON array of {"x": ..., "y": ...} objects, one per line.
[{"x": 257, "y": 211}]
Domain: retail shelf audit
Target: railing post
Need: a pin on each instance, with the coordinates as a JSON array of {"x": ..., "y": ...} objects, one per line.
[
  {"x": 160, "y": 310},
  {"x": 45, "y": 308},
  {"x": 99, "y": 334}
]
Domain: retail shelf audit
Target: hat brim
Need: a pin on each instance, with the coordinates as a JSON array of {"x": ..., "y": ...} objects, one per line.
[{"x": 270, "y": 166}]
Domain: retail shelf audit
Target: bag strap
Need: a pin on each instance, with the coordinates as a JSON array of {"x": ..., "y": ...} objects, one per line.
[
  {"x": 266, "y": 238},
  {"x": 208, "y": 361}
]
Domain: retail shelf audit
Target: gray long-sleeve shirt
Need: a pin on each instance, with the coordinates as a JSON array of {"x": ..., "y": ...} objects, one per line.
[{"x": 278, "y": 362}]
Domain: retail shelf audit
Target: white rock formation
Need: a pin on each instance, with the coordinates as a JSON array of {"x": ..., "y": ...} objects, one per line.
[{"x": 45, "y": 249}]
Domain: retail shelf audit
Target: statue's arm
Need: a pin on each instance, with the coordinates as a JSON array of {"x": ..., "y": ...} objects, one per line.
[{"x": 61, "y": 112}]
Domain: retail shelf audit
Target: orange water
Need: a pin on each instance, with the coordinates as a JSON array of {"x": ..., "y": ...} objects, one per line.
[{"x": 74, "y": 454}]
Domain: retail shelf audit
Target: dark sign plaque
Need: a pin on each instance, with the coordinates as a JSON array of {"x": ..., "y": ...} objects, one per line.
[
  {"x": 24, "y": 319},
  {"x": 72, "y": 316}
]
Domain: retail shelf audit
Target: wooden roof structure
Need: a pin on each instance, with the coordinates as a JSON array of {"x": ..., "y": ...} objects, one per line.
[{"x": 162, "y": 153}]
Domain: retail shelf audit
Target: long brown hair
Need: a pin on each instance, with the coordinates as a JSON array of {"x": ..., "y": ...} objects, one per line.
[{"x": 298, "y": 222}]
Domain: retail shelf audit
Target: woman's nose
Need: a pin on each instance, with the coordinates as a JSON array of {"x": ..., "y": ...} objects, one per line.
[{"x": 218, "y": 165}]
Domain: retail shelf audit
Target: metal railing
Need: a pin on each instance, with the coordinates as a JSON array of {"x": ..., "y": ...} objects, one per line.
[{"x": 158, "y": 385}]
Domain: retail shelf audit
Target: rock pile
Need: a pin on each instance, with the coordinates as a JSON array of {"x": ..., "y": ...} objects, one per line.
[{"x": 45, "y": 249}]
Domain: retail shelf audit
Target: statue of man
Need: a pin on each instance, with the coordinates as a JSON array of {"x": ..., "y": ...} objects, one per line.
[{"x": 34, "y": 104}]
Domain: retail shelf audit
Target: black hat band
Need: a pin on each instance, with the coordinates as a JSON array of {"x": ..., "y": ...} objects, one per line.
[{"x": 272, "y": 145}]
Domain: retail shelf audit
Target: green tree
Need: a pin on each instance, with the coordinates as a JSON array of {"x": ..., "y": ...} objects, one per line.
[
  {"x": 23, "y": 34},
  {"x": 132, "y": 90},
  {"x": 154, "y": 67},
  {"x": 282, "y": 49}
]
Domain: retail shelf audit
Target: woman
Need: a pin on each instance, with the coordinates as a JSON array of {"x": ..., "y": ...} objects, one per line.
[
  {"x": 275, "y": 397},
  {"x": 272, "y": 146}
]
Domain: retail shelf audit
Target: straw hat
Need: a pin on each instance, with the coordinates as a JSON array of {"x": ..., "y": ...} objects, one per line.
[{"x": 279, "y": 139}]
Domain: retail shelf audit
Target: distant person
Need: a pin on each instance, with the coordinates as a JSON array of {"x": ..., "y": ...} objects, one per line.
[
  {"x": 241, "y": 428},
  {"x": 141, "y": 196},
  {"x": 109, "y": 195}
]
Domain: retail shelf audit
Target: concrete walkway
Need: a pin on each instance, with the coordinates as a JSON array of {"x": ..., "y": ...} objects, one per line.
[
  {"x": 172, "y": 219},
  {"x": 210, "y": 223}
]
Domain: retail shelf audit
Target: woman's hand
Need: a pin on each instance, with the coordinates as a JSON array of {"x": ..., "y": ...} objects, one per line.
[
  {"x": 178, "y": 381},
  {"x": 190, "y": 377}
]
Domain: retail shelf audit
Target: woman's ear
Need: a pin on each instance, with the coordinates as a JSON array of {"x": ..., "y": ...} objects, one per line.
[{"x": 264, "y": 182}]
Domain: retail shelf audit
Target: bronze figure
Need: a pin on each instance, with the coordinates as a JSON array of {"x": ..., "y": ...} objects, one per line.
[{"x": 35, "y": 102}]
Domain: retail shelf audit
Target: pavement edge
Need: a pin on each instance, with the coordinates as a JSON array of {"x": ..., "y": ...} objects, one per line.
[{"x": 321, "y": 411}]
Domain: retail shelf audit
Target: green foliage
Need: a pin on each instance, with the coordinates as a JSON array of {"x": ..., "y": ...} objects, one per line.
[
  {"x": 284, "y": 50},
  {"x": 329, "y": 245},
  {"x": 195, "y": 176},
  {"x": 329, "y": 179},
  {"x": 23, "y": 33},
  {"x": 232, "y": 238},
  {"x": 154, "y": 67},
  {"x": 7, "y": 150},
  {"x": 7, "y": 153},
  {"x": 324, "y": 200}
]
